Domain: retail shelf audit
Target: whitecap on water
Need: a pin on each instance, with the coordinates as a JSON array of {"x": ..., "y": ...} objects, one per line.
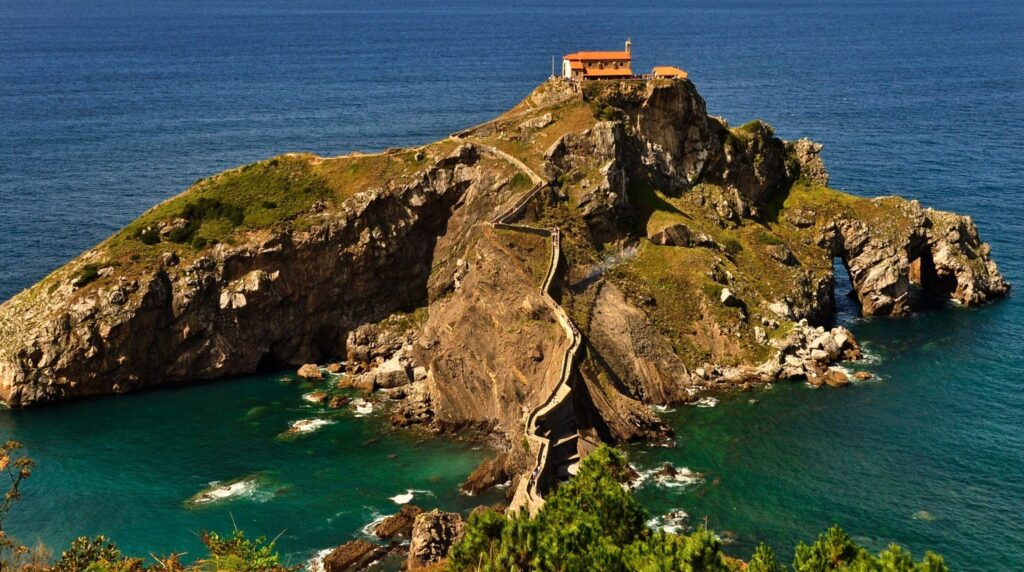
[
  {"x": 408, "y": 495},
  {"x": 673, "y": 522},
  {"x": 668, "y": 476},
  {"x": 683, "y": 478},
  {"x": 375, "y": 519},
  {"x": 303, "y": 427},
  {"x": 314, "y": 397},
  {"x": 245, "y": 487},
  {"x": 362, "y": 407},
  {"x": 316, "y": 563},
  {"x": 706, "y": 402},
  {"x": 662, "y": 409},
  {"x": 869, "y": 357}
]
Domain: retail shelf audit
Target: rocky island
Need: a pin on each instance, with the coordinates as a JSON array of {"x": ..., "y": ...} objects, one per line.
[{"x": 550, "y": 274}]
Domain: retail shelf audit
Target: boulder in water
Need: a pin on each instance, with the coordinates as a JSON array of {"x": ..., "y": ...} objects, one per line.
[
  {"x": 667, "y": 471},
  {"x": 399, "y": 524},
  {"x": 836, "y": 378},
  {"x": 311, "y": 371},
  {"x": 339, "y": 401},
  {"x": 353, "y": 556}
]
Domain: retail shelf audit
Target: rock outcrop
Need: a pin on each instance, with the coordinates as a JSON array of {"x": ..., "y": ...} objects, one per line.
[
  {"x": 280, "y": 298},
  {"x": 914, "y": 257},
  {"x": 399, "y": 524},
  {"x": 353, "y": 556},
  {"x": 692, "y": 256},
  {"x": 433, "y": 535}
]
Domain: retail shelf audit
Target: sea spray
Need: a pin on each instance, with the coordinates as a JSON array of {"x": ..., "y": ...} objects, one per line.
[
  {"x": 408, "y": 495},
  {"x": 250, "y": 487}
]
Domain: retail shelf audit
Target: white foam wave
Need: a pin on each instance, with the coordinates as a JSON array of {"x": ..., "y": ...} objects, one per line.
[
  {"x": 869, "y": 357},
  {"x": 225, "y": 491},
  {"x": 408, "y": 495},
  {"x": 706, "y": 402},
  {"x": 316, "y": 563},
  {"x": 313, "y": 397},
  {"x": 378, "y": 518},
  {"x": 308, "y": 425},
  {"x": 663, "y": 409},
  {"x": 673, "y": 522},
  {"x": 681, "y": 478},
  {"x": 362, "y": 407}
]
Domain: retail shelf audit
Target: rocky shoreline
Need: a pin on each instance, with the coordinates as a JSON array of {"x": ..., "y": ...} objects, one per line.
[{"x": 697, "y": 257}]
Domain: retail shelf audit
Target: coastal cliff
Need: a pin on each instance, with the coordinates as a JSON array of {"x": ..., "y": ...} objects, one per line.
[{"x": 694, "y": 256}]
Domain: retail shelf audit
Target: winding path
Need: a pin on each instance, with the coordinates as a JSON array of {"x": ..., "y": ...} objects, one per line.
[{"x": 551, "y": 427}]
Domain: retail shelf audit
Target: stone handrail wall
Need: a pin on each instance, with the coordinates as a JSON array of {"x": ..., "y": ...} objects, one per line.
[{"x": 527, "y": 494}]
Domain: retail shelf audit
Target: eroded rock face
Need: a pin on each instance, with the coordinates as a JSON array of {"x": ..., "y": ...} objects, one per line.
[
  {"x": 604, "y": 202},
  {"x": 492, "y": 472},
  {"x": 433, "y": 535},
  {"x": 473, "y": 345},
  {"x": 634, "y": 352},
  {"x": 399, "y": 524},
  {"x": 353, "y": 556},
  {"x": 286, "y": 299},
  {"x": 714, "y": 312},
  {"x": 926, "y": 255}
]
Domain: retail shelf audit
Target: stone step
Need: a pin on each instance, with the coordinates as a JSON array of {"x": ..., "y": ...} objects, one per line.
[{"x": 566, "y": 439}]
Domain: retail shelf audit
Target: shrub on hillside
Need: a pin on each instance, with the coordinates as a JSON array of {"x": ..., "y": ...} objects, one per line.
[{"x": 89, "y": 273}]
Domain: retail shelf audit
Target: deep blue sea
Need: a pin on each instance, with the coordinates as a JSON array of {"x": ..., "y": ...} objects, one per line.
[{"x": 108, "y": 107}]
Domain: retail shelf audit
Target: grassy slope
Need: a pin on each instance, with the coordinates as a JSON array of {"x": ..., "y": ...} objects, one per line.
[{"x": 273, "y": 194}]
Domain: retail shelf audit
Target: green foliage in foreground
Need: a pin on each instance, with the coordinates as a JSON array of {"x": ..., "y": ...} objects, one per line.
[
  {"x": 234, "y": 553},
  {"x": 593, "y": 523}
]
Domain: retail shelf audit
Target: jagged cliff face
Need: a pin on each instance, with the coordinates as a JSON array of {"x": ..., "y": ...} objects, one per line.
[
  {"x": 279, "y": 299},
  {"x": 694, "y": 255}
]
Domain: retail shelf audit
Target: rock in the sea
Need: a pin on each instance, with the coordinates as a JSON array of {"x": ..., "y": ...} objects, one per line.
[
  {"x": 391, "y": 373},
  {"x": 836, "y": 378},
  {"x": 339, "y": 401},
  {"x": 433, "y": 535},
  {"x": 863, "y": 375},
  {"x": 815, "y": 379},
  {"x": 334, "y": 368},
  {"x": 399, "y": 524},
  {"x": 311, "y": 371},
  {"x": 666, "y": 471},
  {"x": 353, "y": 556},
  {"x": 316, "y": 397},
  {"x": 489, "y": 473},
  {"x": 936, "y": 256}
]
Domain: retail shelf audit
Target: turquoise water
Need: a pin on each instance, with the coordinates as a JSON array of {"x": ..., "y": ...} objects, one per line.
[
  {"x": 938, "y": 430},
  {"x": 127, "y": 467},
  {"x": 109, "y": 107}
]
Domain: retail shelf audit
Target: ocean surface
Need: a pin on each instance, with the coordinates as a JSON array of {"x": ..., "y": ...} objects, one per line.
[{"x": 108, "y": 107}]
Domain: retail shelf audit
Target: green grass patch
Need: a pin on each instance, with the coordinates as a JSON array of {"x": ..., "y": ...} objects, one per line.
[
  {"x": 521, "y": 182},
  {"x": 767, "y": 238},
  {"x": 89, "y": 273}
]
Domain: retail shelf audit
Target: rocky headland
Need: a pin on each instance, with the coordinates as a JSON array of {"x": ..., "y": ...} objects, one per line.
[{"x": 691, "y": 256}]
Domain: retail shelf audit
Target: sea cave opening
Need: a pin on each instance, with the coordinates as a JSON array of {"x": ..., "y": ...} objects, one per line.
[{"x": 847, "y": 306}]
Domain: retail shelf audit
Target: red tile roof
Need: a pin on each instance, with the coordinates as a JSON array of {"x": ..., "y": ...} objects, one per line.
[
  {"x": 575, "y": 64},
  {"x": 592, "y": 56},
  {"x": 669, "y": 71}
]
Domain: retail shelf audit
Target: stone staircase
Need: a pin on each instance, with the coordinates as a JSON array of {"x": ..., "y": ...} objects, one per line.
[{"x": 550, "y": 428}]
